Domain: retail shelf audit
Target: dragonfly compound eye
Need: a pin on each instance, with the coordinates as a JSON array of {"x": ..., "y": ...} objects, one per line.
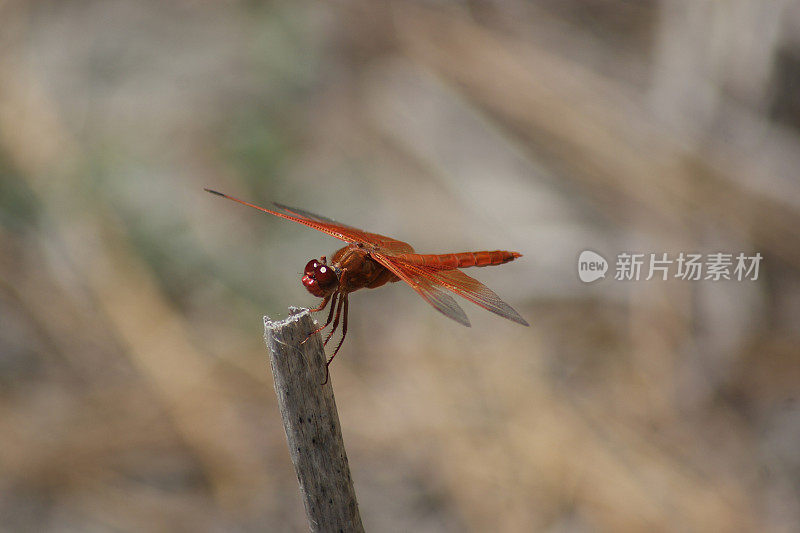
[
  {"x": 311, "y": 266},
  {"x": 319, "y": 279},
  {"x": 326, "y": 277}
]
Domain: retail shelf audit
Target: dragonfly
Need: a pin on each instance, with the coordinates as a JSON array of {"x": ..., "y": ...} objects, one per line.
[{"x": 371, "y": 260}]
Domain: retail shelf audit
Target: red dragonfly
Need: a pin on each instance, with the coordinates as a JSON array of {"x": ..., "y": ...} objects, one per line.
[{"x": 370, "y": 260}]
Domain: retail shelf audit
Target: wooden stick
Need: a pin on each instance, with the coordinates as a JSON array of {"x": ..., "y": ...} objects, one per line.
[{"x": 311, "y": 422}]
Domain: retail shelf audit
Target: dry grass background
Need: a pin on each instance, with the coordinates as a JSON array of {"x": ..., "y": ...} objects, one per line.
[{"x": 135, "y": 393}]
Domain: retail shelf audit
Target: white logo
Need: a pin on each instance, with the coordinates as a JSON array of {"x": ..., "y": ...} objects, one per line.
[{"x": 591, "y": 266}]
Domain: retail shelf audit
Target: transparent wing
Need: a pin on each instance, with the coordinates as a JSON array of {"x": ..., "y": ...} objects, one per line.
[
  {"x": 311, "y": 216},
  {"x": 429, "y": 290},
  {"x": 463, "y": 285},
  {"x": 387, "y": 244},
  {"x": 341, "y": 231}
]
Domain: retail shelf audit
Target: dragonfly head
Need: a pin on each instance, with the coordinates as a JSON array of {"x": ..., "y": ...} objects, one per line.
[{"x": 319, "y": 278}]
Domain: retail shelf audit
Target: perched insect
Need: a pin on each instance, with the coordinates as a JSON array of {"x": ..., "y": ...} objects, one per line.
[{"x": 370, "y": 260}]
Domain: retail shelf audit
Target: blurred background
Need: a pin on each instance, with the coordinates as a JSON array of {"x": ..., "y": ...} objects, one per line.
[{"x": 135, "y": 392}]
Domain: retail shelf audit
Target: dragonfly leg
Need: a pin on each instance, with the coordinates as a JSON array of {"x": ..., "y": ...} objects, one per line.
[
  {"x": 332, "y": 299},
  {"x": 323, "y": 304},
  {"x": 342, "y": 299},
  {"x": 344, "y": 334}
]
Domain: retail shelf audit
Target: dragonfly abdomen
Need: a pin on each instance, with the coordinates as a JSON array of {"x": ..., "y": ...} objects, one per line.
[{"x": 463, "y": 259}]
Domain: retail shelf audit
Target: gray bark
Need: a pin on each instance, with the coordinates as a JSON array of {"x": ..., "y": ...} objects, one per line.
[{"x": 312, "y": 424}]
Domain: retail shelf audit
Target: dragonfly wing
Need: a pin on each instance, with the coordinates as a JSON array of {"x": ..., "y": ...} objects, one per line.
[
  {"x": 467, "y": 287},
  {"x": 311, "y": 216},
  {"x": 387, "y": 244},
  {"x": 331, "y": 227},
  {"x": 429, "y": 290}
]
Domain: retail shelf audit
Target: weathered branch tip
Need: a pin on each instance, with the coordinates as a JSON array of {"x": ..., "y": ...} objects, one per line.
[{"x": 311, "y": 422}]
